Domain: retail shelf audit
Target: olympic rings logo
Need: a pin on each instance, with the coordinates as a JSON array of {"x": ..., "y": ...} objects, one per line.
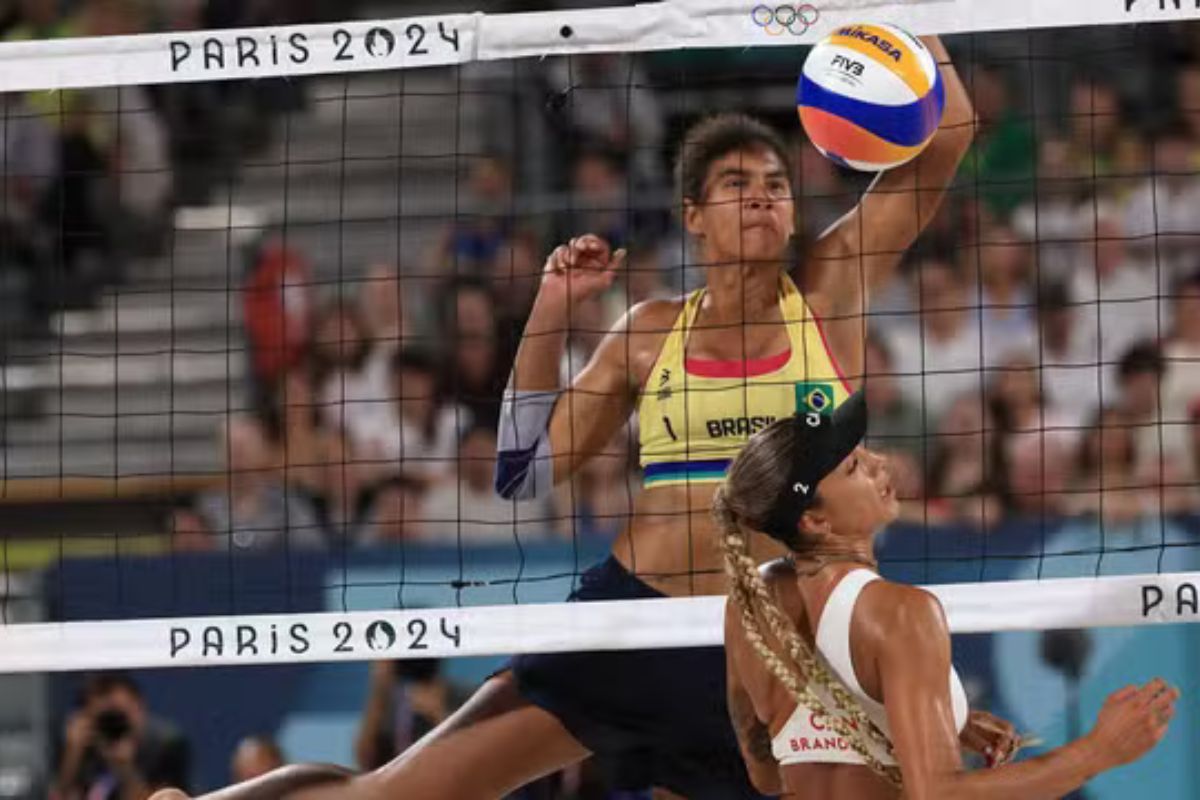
[{"x": 776, "y": 20}]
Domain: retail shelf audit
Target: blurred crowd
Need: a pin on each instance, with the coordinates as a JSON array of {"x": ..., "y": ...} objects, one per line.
[
  {"x": 92, "y": 176},
  {"x": 1032, "y": 356},
  {"x": 377, "y": 410},
  {"x": 1036, "y": 355}
]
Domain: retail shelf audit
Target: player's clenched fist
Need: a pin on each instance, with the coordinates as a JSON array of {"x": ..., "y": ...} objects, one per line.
[{"x": 581, "y": 268}]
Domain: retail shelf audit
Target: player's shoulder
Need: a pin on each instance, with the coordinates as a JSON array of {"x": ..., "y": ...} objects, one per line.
[
  {"x": 901, "y": 607},
  {"x": 778, "y": 571},
  {"x": 780, "y": 577},
  {"x": 656, "y": 315},
  {"x": 636, "y": 339},
  {"x": 905, "y": 625},
  {"x": 647, "y": 323}
]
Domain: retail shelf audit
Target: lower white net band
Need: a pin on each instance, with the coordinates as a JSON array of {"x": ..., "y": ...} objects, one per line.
[{"x": 552, "y": 627}]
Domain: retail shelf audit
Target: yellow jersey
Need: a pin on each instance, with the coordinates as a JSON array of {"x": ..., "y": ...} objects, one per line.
[{"x": 694, "y": 415}]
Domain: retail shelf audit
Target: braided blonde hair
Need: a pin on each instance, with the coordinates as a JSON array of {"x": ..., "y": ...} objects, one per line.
[{"x": 753, "y": 482}]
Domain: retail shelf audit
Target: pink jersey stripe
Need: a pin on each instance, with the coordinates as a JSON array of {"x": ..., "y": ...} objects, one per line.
[{"x": 749, "y": 368}]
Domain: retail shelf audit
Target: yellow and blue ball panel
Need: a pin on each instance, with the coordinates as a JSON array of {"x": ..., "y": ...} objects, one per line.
[{"x": 870, "y": 96}]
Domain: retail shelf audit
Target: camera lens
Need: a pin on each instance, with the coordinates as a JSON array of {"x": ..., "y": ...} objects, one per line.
[{"x": 112, "y": 725}]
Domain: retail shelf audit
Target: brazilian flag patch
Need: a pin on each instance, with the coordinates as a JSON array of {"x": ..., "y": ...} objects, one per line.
[{"x": 814, "y": 396}]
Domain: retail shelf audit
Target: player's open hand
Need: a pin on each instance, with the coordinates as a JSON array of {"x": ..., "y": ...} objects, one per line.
[
  {"x": 582, "y": 268},
  {"x": 1133, "y": 720}
]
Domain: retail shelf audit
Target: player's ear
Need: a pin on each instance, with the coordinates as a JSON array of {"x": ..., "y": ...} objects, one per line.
[
  {"x": 693, "y": 217},
  {"x": 814, "y": 522}
]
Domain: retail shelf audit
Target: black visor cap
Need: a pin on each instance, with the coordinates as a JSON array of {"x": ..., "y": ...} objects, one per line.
[{"x": 822, "y": 442}]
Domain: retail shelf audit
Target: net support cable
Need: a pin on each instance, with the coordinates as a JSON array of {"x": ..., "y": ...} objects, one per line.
[
  {"x": 362, "y": 46},
  {"x": 1135, "y": 600}
]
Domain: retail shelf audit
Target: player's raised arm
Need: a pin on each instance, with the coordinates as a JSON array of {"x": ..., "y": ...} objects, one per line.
[
  {"x": 862, "y": 249},
  {"x": 545, "y": 432}
]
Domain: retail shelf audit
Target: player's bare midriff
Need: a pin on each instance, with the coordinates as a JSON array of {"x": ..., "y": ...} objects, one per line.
[{"x": 670, "y": 541}]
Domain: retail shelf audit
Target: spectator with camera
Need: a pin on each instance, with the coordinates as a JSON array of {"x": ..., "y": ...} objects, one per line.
[
  {"x": 113, "y": 748},
  {"x": 407, "y": 699}
]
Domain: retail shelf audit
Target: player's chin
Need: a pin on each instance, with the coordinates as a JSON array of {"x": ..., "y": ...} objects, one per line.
[
  {"x": 893, "y": 509},
  {"x": 762, "y": 245},
  {"x": 762, "y": 261},
  {"x": 889, "y": 507}
]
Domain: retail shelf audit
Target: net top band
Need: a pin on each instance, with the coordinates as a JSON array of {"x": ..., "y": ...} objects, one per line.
[{"x": 365, "y": 46}]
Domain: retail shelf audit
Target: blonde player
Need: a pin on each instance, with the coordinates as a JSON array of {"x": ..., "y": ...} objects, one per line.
[{"x": 840, "y": 682}]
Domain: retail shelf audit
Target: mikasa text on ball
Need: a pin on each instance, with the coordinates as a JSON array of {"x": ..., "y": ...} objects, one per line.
[{"x": 870, "y": 96}]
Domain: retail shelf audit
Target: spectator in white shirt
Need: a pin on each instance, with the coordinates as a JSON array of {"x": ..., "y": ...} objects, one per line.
[
  {"x": 357, "y": 394},
  {"x": 381, "y": 300},
  {"x": 1054, "y": 220},
  {"x": 423, "y": 433},
  {"x": 1181, "y": 351},
  {"x": 412, "y": 434},
  {"x": 946, "y": 357},
  {"x": 339, "y": 350},
  {"x": 1006, "y": 305},
  {"x": 468, "y": 510},
  {"x": 1034, "y": 441},
  {"x": 1118, "y": 298},
  {"x": 1161, "y": 456},
  {"x": 1071, "y": 371},
  {"x": 1160, "y": 215}
]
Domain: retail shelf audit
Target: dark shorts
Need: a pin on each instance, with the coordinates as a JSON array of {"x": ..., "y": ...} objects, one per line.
[{"x": 651, "y": 717}]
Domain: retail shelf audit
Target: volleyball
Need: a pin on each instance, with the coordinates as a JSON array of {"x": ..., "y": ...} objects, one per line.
[{"x": 870, "y": 96}]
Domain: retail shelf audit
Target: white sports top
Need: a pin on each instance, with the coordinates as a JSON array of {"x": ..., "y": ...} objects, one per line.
[{"x": 806, "y": 738}]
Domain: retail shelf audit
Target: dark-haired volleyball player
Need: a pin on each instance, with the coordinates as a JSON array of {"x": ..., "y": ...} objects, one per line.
[
  {"x": 880, "y": 714},
  {"x": 702, "y": 372}
]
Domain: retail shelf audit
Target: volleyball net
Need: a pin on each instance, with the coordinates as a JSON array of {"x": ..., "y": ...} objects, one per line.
[{"x": 265, "y": 284}]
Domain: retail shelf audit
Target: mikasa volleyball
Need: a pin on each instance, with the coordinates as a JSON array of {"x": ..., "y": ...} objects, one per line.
[{"x": 870, "y": 96}]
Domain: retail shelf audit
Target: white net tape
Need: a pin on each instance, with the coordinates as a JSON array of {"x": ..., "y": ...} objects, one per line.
[
  {"x": 552, "y": 627},
  {"x": 461, "y": 38}
]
